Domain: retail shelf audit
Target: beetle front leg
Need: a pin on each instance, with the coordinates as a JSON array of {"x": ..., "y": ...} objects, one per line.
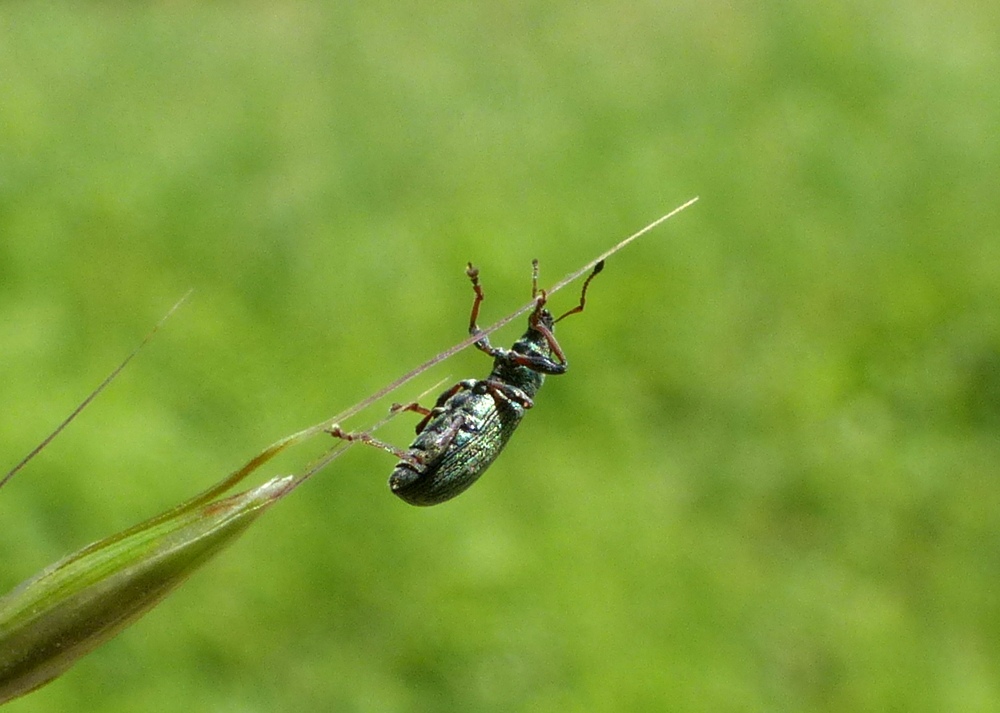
[
  {"x": 483, "y": 343},
  {"x": 583, "y": 293},
  {"x": 536, "y": 362},
  {"x": 548, "y": 366}
]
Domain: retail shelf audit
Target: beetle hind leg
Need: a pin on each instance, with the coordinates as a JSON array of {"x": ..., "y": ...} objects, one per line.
[{"x": 369, "y": 440}]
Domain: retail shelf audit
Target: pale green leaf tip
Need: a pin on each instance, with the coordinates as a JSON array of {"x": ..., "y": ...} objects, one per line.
[{"x": 78, "y": 603}]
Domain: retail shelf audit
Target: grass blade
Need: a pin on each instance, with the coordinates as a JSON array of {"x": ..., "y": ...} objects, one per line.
[{"x": 73, "y": 606}]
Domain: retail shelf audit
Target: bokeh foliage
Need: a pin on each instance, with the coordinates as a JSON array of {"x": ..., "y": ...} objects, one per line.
[{"x": 769, "y": 481}]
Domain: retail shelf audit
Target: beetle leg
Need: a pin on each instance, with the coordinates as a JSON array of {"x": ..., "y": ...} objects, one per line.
[
  {"x": 439, "y": 406},
  {"x": 463, "y": 385},
  {"x": 583, "y": 293},
  {"x": 537, "y": 325},
  {"x": 535, "y": 362},
  {"x": 417, "y": 408},
  {"x": 449, "y": 434},
  {"x": 441, "y": 442},
  {"x": 473, "y": 274},
  {"x": 483, "y": 343},
  {"x": 412, "y": 406},
  {"x": 368, "y": 439},
  {"x": 508, "y": 394},
  {"x": 541, "y": 297},
  {"x": 549, "y": 366}
]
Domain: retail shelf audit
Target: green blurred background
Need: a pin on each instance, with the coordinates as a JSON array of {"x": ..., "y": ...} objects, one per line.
[{"x": 769, "y": 481}]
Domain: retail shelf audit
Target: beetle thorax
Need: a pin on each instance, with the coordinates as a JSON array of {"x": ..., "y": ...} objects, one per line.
[{"x": 532, "y": 343}]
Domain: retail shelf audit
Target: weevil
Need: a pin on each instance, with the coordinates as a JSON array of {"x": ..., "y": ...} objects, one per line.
[{"x": 469, "y": 425}]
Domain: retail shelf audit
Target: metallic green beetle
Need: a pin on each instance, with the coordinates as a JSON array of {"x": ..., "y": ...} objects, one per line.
[{"x": 471, "y": 422}]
